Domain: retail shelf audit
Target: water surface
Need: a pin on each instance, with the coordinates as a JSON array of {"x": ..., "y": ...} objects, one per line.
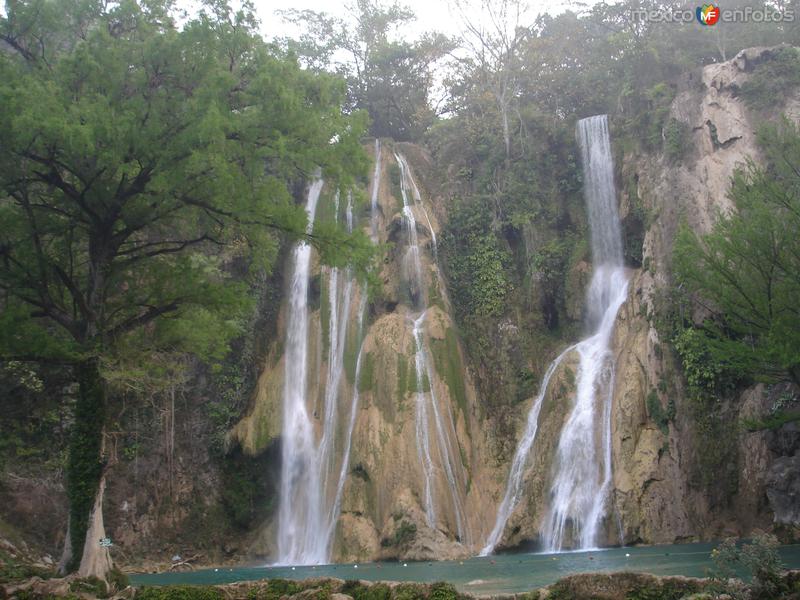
[{"x": 503, "y": 574}]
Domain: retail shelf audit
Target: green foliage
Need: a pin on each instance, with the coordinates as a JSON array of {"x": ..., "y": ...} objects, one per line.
[
  {"x": 404, "y": 533},
  {"x": 388, "y": 76},
  {"x": 771, "y": 422},
  {"x": 658, "y": 414},
  {"x": 278, "y": 588},
  {"x": 447, "y": 360},
  {"x": 664, "y": 590},
  {"x": 707, "y": 375},
  {"x": 476, "y": 262},
  {"x": 443, "y": 591},
  {"x": 772, "y": 78},
  {"x": 360, "y": 591},
  {"x": 13, "y": 570},
  {"x": 89, "y": 585},
  {"x": 409, "y": 591},
  {"x": 179, "y": 592},
  {"x": 85, "y": 464},
  {"x": 403, "y": 380},
  {"x": 748, "y": 267},
  {"x": 366, "y": 380},
  {"x": 395, "y": 178},
  {"x": 676, "y": 139},
  {"x": 147, "y": 178},
  {"x": 118, "y": 579},
  {"x": 759, "y": 559}
]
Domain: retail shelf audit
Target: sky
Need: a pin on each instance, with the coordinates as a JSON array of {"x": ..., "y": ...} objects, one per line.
[{"x": 431, "y": 14}]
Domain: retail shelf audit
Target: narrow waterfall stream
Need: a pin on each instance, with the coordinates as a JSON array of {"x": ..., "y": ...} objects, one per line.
[
  {"x": 426, "y": 402},
  {"x": 299, "y": 515},
  {"x": 582, "y": 469},
  {"x": 312, "y": 482}
]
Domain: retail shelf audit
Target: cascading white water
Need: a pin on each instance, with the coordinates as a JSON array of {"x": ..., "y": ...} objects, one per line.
[
  {"x": 376, "y": 186},
  {"x": 426, "y": 403},
  {"x": 514, "y": 483},
  {"x": 340, "y": 290},
  {"x": 581, "y": 485},
  {"x": 582, "y": 479},
  {"x": 299, "y": 517},
  {"x": 310, "y": 504}
]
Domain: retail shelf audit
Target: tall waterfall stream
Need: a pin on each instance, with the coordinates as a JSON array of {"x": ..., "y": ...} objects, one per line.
[{"x": 582, "y": 469}]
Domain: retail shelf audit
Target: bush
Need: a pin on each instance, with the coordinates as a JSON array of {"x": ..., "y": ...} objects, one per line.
[
  {"x": 409, "y": 591},
  {"x": 771, "y": 79},
  {"x": 359, "y": 591},
  {"x": 179, "y": 592},
  {"x": 759, "y": 558},
  {"x": 443, "y": 591}
]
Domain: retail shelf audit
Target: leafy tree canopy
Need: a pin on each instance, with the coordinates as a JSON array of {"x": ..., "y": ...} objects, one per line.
[
  {"x": 746, "y": 272},
  {"x": 142, "y": 164}
]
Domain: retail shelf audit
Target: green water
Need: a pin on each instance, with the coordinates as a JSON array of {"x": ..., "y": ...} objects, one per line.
[{"x": 488, "y": 575}]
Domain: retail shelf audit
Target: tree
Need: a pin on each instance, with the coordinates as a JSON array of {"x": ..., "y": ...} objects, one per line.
[
  {"x": 746, "y": 272},
  {"x": 389, "y": 78},
  {"x": 493, "y": 41},
  {"x": 138, "y": 163}
]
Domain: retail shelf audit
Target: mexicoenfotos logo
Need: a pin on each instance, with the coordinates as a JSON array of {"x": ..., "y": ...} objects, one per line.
[{"x": 708, "y": 14}]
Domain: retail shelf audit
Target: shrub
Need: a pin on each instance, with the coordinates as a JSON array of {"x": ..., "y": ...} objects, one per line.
[{"x": 179, "y": 592}]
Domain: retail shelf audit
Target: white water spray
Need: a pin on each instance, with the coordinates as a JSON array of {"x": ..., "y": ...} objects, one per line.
[
  {"x": 299, "y": 517},
  {"x": 426, "y": 403},
  {"x": 311, "y": 491},
  {"x": 582, "y": 479}
]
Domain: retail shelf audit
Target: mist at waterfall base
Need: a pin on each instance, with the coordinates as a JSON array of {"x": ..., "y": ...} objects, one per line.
[
  {"x": 502, "y": 574},
  {"x": 577, "y": 504}
]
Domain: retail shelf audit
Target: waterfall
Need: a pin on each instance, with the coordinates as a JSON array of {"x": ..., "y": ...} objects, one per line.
[
  {"x": 299, "y": 515},
  {"x": 312, "y": 483},
  {"x": 582, "y": 469},
  {"x": 514, "y": 483},
  {"x": 426, "y": 403},
  {"x": 579, "y": 492}
]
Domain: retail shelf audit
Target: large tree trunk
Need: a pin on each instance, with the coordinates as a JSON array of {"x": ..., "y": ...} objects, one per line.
[
  {"x": 85, "y": 481},
  {"x": 96, "y": 559}
]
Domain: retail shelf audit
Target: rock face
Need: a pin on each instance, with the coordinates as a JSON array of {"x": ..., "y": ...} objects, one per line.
[
  {"x": 656, "y": 441},
  {"x": 382, "y": 502}
]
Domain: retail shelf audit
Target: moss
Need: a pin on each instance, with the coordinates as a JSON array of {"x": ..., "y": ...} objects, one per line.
[
  {"x": 405, "y": 532},
  {"x": 366, "y": 380},
  {"x": 352, "y": 346},
  {"x": 402, "y": 379},
  {"x": 325, "y": 317},
  {"x": 85, "y": 465},
  {"x": 660, "y": 416},
  {"x": 675, "y": 139},
  {"x": 447, "y": 359},
  {"x": 394, "y": 179}
]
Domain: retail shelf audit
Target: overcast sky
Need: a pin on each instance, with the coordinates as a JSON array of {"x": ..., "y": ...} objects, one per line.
[{"x": 431, "y": 14}]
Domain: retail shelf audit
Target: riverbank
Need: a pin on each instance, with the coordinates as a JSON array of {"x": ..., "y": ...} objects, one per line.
[{"x": 584, "y": 586}]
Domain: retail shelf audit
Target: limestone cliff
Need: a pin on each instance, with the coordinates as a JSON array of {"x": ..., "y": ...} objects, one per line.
[
  {"x": 661, "y": 493},
  {"x": 382, "y": 511}
]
